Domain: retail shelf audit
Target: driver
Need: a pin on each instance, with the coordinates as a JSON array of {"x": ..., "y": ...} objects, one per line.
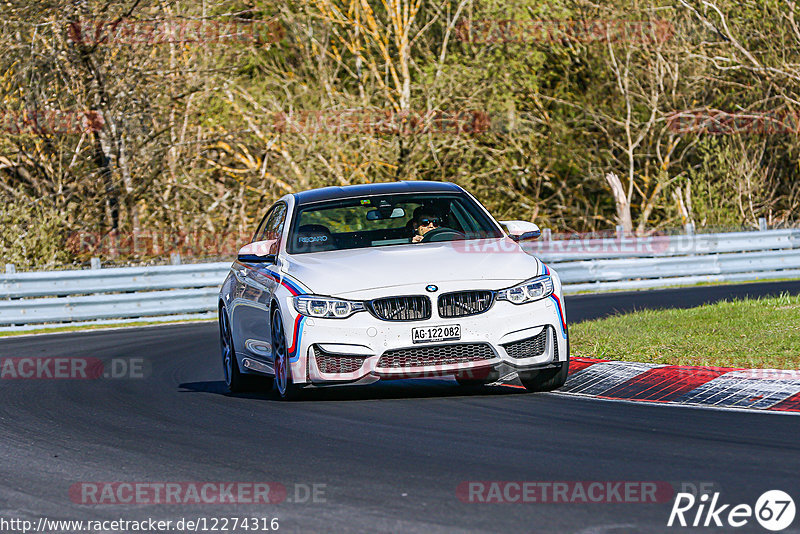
[{"x": 424, "y": 222}]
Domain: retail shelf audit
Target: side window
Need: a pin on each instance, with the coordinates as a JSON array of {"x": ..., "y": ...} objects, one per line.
[
  {"x": 272, "y": 225},
  {"x": 261, "y": 226}
]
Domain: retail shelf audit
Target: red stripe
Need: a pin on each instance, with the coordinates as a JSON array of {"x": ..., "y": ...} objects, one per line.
[
  {"x": 664, "y": 384},
  {"x": 560, "y": 313},
  {"x": 293, "y": 348},
  {"x": 273, "y": 277},
  {"x": 792, "y": 404},
  {"x": 291, "y": 290},
  {"x": 579, "y": 364}
]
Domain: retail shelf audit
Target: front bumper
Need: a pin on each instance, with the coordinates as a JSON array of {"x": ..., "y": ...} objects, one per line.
[{"x": 363, "y": 349}]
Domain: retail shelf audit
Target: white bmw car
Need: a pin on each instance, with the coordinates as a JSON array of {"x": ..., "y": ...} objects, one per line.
[{"x": 350, "y": 285}]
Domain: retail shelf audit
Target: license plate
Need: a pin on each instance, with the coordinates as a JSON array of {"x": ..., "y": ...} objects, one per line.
[{"x": 428, "y": 334}]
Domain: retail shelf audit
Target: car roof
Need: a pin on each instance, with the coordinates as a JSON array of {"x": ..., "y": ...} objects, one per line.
[{"x": 382, "y": 188}]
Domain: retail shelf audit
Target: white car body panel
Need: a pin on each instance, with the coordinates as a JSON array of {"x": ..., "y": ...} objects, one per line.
[
  {"x": 348, "y": 273},
  {"x": 252, "y": 290}
]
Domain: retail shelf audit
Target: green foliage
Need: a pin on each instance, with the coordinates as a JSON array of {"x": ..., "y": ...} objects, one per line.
[
  {"x": 191, "y": 140},
  {"x": 32, "y": 235}
]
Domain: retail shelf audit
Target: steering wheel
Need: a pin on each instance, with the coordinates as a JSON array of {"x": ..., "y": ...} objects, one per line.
[{"x": 442, "y": 234}]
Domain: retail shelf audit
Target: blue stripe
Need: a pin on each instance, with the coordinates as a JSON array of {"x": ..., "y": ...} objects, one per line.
[
  {"x": 284, "y": 280},
  {"x": 298, "y": 335},
  {"x": 294, "y": 286},
  {"x": 560, "y": 317}
]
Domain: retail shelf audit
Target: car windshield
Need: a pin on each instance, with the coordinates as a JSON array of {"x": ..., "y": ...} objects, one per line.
[{"x": 377, "y": 221}]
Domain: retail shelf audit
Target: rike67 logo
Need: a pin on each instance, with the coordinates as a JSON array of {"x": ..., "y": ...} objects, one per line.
[{"x": 774, "y": 510}]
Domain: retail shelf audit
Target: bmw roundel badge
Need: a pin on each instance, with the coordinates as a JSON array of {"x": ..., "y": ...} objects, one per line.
[{"x": 431, "y": 289}]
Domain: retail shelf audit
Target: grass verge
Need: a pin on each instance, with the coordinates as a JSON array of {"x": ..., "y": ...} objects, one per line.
[{"x": 751, "y": 333}]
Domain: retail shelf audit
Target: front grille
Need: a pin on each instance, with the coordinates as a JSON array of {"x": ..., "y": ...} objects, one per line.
[
  {"x": 527, "y": 348},
  {"x": 337, "y": 363},
  {"x": 435, "y": 355},
  {"x": 414, "y": 308},
  {"x": 464, "y": 303}
]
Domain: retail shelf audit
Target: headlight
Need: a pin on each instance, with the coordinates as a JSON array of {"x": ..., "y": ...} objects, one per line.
[
  {"x": 529, "y": 291},
  {"x": 326, "y": 307}
]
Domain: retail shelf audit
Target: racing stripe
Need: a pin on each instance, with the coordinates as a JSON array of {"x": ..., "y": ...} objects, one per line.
[
  {"x": 560, "y": 316},
  {"x": 297, "y": 331},
  {"x": 546, "y": 272},
  {"x": 292, "y": 286}
]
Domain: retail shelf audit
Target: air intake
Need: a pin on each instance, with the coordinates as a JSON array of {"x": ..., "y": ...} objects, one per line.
[
  {"x": 414, "y": 308},
  {"x": 529, "y": 347},
  {"x": 435, "y": 355},
  {"x": 465, "y": 303}
]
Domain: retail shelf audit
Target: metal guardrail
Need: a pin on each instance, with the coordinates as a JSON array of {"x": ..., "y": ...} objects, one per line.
[
  {"x": 580, "y": 248},
  {"x": 118, "y": 305},
  {"x": 601, "y": 264},
  {"x": 595, "y": 264},
  {"x": 62, "y": 283},
  {"x": 643, "y": 268}
]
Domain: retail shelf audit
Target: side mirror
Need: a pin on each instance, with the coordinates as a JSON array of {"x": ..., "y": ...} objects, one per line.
[
  {"x": 521, "y": 230},
  {"x": 259, "y": 252}
]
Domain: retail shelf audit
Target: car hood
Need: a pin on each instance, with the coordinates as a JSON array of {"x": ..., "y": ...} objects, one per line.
[{"x": 339, "y": 272}]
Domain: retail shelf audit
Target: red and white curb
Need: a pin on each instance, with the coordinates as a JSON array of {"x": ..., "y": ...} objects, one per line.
[{"x": 721, "y": 387}]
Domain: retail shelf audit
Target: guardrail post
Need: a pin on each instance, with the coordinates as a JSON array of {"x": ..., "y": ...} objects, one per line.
[
  {"x": 762, "y": 224},
  {"x": 10, "y": 268},
  {"x": 690, "y": 228},
  {"x": 175, "y": 258},
  {"x": 95, "y": 263},
  {"x": 620, "y": 231},
  {"x": 547, "y": 234}
]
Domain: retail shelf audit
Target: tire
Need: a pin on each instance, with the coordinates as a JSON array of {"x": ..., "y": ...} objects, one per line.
[
  {"x": 284, "y": 386},
  {"x": 235, "y": 380},
  {"x": 546, "y": 379}
]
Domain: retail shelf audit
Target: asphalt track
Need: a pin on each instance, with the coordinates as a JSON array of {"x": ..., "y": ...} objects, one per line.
[{"x": 390, "y": 456}]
